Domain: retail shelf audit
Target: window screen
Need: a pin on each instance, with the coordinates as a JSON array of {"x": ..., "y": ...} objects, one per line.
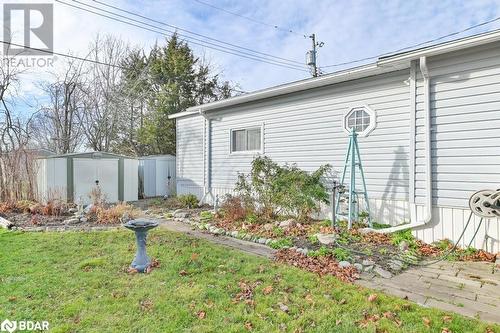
[
  {"x": 358, "y": 120},
  {"x": 246, "y": 139}
]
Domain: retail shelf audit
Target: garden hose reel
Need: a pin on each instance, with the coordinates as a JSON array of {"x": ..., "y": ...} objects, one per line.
[{"x": 486, "y": 203}]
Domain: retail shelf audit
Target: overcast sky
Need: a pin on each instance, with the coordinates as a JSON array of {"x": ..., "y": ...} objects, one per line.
[{"x": 349, "y": 29}]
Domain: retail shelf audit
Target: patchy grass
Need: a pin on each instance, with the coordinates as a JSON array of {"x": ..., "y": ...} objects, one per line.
[{"x": 77, "y": 281}]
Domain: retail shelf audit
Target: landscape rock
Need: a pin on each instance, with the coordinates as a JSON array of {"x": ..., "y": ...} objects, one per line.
[
  {"x": 395, "y": 265},
  {"x": 72, "y": 221},
  {"x": 262, "y": 241},
  {"x": 283, "y": 307},
  {"x": 87, "y": 208},
  {"x": 368, "y": 269},
  {"x": 287, "y": 223},
  {"x": 181, "y": 214},
  {"x": 358, "y": 266},
  {"x": 73, "y": 210},
  {"x": 368, "y": 262},
  {"x": 403, "y": 246},
  {"x": 326, "y": 239},
  {"x": 83, "y": 219},
  {"x": 234, "y": 234},
  {"x": 382, "y": 272},
  {"x": 344, "y": 264}
]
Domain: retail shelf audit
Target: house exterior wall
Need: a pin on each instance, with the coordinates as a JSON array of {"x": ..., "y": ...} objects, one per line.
[
  {"x": 305, "y": 128},
  {"x": 465, "y": 120},
  {"x": 190, "y": 158}
]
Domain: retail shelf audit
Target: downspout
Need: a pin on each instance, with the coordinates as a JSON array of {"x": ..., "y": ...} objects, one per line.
[
  {"x": 414, "y": 223},
  {"x": 208, "y": 172}
]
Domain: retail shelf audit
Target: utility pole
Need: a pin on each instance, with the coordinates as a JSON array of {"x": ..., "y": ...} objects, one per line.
[{"x": 311, "y": 56}]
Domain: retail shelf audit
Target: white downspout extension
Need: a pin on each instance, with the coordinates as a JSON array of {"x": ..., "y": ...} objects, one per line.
[
  {"x": 414, "y": 223},
  {"x": 208, "y": 172}
]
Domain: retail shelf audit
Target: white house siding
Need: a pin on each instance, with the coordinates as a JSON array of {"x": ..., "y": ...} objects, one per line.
[
  {"x": 306, "y": 129},
  {"x": 465, "y": 118},
  {"x": 190, "y": 152}
]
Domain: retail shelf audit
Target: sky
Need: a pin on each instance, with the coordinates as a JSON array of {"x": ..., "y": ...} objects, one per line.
[{"x": 350, "y": 30}]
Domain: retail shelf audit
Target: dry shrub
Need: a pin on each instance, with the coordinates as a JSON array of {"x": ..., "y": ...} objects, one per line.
[
  {"x": 233, "y": 209},
  {"x": 116, "y": 214}
]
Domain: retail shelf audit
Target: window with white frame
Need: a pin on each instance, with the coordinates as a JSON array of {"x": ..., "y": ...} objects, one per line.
[
  {"x": 246, "y": 139},
  {"x": 360, "y": 119}
]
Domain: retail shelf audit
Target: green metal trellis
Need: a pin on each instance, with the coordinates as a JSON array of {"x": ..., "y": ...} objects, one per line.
[{"x": 353, "y": 161}]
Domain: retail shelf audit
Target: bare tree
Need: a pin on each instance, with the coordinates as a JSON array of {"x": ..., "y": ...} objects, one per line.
[
  {"x": 57, "y": 125},
  {"x": 17, "y": 165},
  {"x": 102, "y": 104}
]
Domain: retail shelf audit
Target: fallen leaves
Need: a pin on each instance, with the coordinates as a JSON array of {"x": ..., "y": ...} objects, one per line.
[
  {"x": 246, "y": 292},
  {"x": 447, "y": 319},
  {"x": 201, "y": 314},
  {"x": 324, "y": 265},
  {"x": 183, "y": 272},
  {"x": 427, "y": 321},
  {"x": 248, "y": 326},
  {"x": 372, "y": 298},
  {"x": 267, "y": 290},
  {"x": 146, "y": 305}
]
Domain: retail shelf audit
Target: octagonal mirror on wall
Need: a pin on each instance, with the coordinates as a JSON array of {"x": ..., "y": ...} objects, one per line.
[{"x": 361, "y": 119}]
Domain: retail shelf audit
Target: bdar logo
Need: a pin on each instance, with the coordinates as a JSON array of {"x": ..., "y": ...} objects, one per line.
[{"x": 9, "y": 326}]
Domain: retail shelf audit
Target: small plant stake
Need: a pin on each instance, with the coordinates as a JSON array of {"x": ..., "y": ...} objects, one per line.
[{"x": 140, "y": 226}]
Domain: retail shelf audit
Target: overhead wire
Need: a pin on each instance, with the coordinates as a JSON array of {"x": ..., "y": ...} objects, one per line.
[
  {"x": 415, "y": 45},
  {"x": 219, "y": 48},
  {"x": 288, "y": 30}
]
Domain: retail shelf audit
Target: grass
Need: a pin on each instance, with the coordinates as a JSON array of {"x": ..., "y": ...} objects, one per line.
[{"x": 77, "y": 281}]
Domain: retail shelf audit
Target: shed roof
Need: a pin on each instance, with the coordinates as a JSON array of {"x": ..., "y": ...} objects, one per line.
[
  {"x": 91, "y": 154},
  {"x": 384, "y": 64}
]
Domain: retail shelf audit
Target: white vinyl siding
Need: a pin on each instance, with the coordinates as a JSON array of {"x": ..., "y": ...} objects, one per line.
[
  {"x": 190, "y": 160},
  {"x": 465, "y": 120},
  {"x": 307, "y": 129}
]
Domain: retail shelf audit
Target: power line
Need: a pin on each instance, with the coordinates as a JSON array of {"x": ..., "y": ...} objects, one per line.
[
  {"x": 65, "y": 55},
  {"x": 417, "y": 45},
  {"x": 62, "y": 55},
  {"x": 252, "y": 19},
  {"x": 219, "y": 48},
  {"x": 182, "y": 29}
]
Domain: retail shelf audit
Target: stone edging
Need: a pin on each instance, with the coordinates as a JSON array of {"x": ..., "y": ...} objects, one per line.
[
  {"x": 367, "y": 266},
  {"x": 62, "y": 228}
]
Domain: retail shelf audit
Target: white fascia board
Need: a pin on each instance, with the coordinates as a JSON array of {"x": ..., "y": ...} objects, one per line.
[{"x": 443, "y": 48}]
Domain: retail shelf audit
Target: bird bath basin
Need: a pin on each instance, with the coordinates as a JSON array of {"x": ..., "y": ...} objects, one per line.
[{"x": 140, "y": 227}]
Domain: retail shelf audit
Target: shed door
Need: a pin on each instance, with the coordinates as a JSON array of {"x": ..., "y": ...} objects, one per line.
[
  {"x": 85, "y": 173},
  {"x": 149, "y": 173}
]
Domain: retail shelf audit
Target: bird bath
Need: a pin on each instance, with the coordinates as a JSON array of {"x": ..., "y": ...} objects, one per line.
[{"x": 140, "y": 227}]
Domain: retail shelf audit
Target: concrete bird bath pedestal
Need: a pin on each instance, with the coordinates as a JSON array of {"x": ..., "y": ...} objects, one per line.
[{"x": 140, "y": 227}]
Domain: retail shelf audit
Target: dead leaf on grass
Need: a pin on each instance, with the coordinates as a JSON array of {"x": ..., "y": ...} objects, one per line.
[
  {"x": 194, "y": 256},
  {"x": 372, "y": 298},
  {"x": 342, "y": 301},
  {"x": 248, "y": 326},
  {"x": 447, "y": 319},
  {"x": 146, "y": 305},
  {"x": 201, "y": 314},
  {"x": 338, "y": 322},
  {"x": 267, "y": 290},
  {"x": 427, "y": 321},
  {"x": 183, "y": 273},
  {"x": 446, "y": 330}
]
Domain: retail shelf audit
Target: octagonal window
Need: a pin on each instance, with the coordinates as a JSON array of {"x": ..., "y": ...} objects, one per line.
[{"x": 360, "y": 119}]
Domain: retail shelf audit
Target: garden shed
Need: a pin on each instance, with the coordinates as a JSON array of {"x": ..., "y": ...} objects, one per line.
[
  {"x": 73, "y": 176},
  {"x": 157, "y": 175}
]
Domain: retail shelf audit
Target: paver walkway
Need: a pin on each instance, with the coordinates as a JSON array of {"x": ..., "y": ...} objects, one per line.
[
  {"x": 248, "y": 247},
  {"x": 468, "y": 288}
]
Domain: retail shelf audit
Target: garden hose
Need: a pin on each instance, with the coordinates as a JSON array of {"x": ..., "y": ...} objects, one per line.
[{"x": 441, "y": 258}]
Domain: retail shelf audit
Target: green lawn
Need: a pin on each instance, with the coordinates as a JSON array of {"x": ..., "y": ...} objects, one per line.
[{"x": 77, "y": 281}]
